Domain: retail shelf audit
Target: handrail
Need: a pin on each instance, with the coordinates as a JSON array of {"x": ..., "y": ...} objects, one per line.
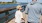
[
  {"x": 7, "y": 9},
  {"x": 9, "y": 19},
  {"x": 6, "y": 16}
]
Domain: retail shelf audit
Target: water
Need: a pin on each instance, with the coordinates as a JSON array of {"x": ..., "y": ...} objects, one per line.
[{"x": 7, "y": 6}]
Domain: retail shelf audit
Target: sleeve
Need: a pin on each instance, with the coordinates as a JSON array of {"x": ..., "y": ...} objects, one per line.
[
  {"x": 41, "y": 10},
  {"x": 16, "y": 14},
  {"x": 26, "y": 10},
  {"x": 21, "y": 15}
]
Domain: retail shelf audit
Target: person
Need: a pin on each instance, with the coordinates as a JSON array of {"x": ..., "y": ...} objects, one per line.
[
  {"x": 34, "y": 11},
  {"x": 18, "y": 14}
]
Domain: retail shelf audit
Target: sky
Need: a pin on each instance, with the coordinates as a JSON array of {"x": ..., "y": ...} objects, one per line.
[
  {"x": 19, "y": 0},
  {"x": 23, "y": 0},
  {"x": 5, "y": 0},
  {"x": 27, "y": 0}
]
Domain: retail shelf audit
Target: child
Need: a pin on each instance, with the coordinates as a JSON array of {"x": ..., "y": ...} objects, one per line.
[{"x": 18, "y": 14}]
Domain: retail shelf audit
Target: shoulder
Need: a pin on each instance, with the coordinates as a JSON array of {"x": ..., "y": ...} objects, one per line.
[
  {"x": 28, "y": 5},
  {"x": 16, "y": 12}
]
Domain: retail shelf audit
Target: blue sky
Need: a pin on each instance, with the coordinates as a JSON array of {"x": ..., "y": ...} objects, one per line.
[
  {"x": 27, "y": 0},
  {"x": 20, "y": 0},
  {"x": 6, "y": 0},
  {"x": 23, "y": 0}
]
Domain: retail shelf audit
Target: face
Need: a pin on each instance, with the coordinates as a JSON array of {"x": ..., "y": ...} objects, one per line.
[
  {"x": 20, "y": 8},
  {"x": 34, "y": 0}
]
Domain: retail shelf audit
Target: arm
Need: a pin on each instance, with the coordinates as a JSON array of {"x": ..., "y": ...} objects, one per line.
[
  {"x": 22, "y": 17},
  {"x": 41, "y": 10},
  {"x": 16, "y": 14},
  {"x": 41, "y": 15},
  {"x": 26, "y": 13},
  {"x": 26, "y": 10}
]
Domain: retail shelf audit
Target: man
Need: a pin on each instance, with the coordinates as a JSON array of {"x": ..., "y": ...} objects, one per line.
[{"x": 34, "y": 11}]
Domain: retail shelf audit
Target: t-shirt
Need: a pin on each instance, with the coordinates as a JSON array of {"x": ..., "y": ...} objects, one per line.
[
  {"x": 18, "y": 16},
  {"x": 34, "y": 12}
]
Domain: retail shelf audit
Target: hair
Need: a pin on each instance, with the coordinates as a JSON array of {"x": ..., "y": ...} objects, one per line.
[
  {"x": 18, "y": 6},
  {"x": 33, "y": 0}
]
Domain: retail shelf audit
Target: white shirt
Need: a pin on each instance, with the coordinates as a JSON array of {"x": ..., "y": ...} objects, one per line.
[{"x": 18, "y": 16}]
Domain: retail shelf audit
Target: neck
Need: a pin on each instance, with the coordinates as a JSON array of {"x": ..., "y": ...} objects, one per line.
[
  {"x": 33, "y": 2},
  {"x": 19, "y": 10}
]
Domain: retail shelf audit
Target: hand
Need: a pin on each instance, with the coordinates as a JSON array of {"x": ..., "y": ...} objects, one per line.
[{"x": 22, "y": 19}]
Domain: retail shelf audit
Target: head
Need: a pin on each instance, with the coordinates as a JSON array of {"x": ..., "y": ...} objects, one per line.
[
  {"x": 19, "y": 7},
  {"x": 34, "y": 0}
]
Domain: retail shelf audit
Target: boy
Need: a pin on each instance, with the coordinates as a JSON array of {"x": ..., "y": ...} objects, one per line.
[{"x": 18, "y": 14}]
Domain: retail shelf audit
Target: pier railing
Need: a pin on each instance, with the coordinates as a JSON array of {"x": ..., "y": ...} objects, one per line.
[
  {"x": 6, "y": 16},
  {"x": 6, "y": 11}
]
